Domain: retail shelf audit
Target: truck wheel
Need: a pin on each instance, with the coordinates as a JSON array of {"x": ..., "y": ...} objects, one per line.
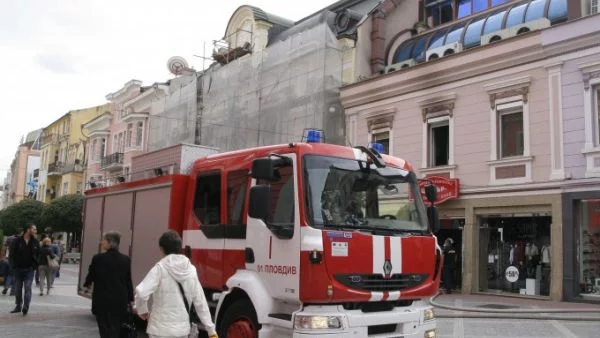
[{"x": 239, "y": 321}]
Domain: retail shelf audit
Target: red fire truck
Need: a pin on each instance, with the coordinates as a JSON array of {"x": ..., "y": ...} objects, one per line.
[{"x": 299, "y": 240}]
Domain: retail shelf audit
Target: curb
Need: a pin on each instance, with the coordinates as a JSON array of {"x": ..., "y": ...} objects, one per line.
[{"x": 534, "y": 314}]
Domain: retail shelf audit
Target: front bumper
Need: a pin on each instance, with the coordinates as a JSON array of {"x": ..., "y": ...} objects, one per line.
[{"x": 401, "y": 322}]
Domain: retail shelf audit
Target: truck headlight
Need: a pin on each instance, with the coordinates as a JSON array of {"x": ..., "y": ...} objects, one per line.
[
  {"x": 428, "y": 314},
  {"x": 317, "y": 322},
  {"x": 430, "y": 334}
]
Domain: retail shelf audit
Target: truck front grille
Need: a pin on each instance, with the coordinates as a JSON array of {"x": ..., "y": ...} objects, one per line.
[{"x": 380, "y": 283}]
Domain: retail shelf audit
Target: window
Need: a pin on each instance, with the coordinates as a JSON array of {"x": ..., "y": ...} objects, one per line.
[
  {"x": 237, "y": 184},
  {"x": 282, "y": 197},
  {"x": 115, "y": 144},
  {"x": 129, "y": 132},
  {"x": 596, "y": 109},
  {"x": 121, "y": 143},
  {"x": 93, "y": 149},
  {"x": 79, "y": 187},
  {"x": 102, "y": 152},
  {"x": 382, "y": 137},
  {"x": 139, "y": 133},
  {"x": 65, "y": 189},
  {"x": 443, "y": 11},
  {"x": 439, "y": 142},
  {"x": 207, "y": 201},
  {"x": 511, "y": 133}
]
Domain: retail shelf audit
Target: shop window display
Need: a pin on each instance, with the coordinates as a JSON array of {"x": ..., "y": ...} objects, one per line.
[
  {"x": 590, "y": 247},
  {"x": 515, "y": 254}
]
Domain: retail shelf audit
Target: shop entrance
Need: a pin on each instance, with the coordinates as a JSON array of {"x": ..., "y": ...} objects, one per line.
[
  {"x": 514, "y": 254},
  {"x": 453, "y": 228}
]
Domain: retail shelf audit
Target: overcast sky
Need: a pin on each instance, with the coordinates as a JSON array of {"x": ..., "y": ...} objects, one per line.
[{"x": 68, "y": 54}]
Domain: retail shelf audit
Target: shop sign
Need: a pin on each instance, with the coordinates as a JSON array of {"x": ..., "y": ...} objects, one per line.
[
  {"x": 511, "y": 274},
  {"x": 447, "y": 188}
]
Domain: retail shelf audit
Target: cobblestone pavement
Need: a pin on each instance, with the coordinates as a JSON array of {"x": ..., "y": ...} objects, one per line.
[{"x": 65, "y": 314}]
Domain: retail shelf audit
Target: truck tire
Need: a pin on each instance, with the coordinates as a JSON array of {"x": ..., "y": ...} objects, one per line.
[{"x": 239, "y": 321}]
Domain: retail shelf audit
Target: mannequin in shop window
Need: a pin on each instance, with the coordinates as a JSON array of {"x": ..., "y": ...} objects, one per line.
[
  {"x": 532, "y": 255},
  {"x": 449, "y": 265}
]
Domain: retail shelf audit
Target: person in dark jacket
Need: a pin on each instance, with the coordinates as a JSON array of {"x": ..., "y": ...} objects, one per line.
[
  {"x": 112, "y": 296},
  {"x": 449, "y": 265},
  {"x": 24, "y": 253}
]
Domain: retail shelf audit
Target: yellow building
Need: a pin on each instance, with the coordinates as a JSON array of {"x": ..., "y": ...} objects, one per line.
[{"x": 63, "y": 154}]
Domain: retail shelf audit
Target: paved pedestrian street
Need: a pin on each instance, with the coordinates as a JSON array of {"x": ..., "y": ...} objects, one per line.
[{"x": 65, "y": 314}]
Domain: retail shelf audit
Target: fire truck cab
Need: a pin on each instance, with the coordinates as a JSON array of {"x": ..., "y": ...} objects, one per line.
[{"x": 297, "y": 240}]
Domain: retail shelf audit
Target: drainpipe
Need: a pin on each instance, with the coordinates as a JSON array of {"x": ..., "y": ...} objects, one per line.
[{"x": 378, "y": 24}]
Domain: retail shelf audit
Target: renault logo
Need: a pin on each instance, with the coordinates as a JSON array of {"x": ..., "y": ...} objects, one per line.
[{"x": 387, "y": 267}]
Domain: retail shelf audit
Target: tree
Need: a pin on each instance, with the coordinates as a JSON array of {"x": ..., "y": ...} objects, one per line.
[
  {"x": 63, "y": 214},
  {"x": 20, "y": 214}
]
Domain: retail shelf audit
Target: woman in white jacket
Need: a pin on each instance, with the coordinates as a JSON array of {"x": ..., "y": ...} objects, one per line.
[{"x": 168, "y": 316}]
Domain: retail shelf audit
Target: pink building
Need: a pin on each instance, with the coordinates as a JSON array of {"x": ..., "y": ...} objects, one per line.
[{"x": 120, "y": 134}]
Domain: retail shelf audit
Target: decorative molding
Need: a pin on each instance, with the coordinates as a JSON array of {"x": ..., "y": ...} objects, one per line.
[
  {"x": 590, "y": 71},
  {"x": 513, "y": 87},
  {"x": 436, "y": 105},
  {"x": 383, "y": 118}
]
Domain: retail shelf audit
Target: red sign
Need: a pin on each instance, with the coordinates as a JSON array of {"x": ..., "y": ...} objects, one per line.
[{"x": 447, "y": 188}]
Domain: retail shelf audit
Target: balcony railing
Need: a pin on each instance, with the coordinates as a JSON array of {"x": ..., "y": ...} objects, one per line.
[
  {"x": 112, "y": 160},
  {"x": 55, "y": 168},
  {"x": 73, "y": 167},
  {"x": 50, "y": 138}
]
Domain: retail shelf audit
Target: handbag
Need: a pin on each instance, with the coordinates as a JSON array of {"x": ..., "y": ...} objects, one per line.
[
  {"x": 52, "y": 263},
  {"x": 128, "y": 328},
  {"x": 193, "y": 316}
]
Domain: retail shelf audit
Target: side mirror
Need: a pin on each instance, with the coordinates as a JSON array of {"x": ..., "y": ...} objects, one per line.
[
  {"x": 434, "y": 218},
  {"x": 258, "y": 205},
  {"x": 431, "y": 193},
  {"x": 266, "y": 168}
]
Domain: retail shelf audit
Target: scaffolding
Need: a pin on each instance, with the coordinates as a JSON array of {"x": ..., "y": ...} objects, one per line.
[{"x": 270, "y": 96}]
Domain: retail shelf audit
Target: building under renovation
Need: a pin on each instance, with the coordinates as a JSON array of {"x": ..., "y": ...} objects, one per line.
[{"x": 269, "y": 80}]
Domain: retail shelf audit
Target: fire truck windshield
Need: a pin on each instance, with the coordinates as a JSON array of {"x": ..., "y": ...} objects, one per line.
[{"x": 344, "y": 193}]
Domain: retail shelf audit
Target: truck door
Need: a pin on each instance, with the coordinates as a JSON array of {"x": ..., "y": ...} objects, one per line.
[{"x": 276, "y": 253}]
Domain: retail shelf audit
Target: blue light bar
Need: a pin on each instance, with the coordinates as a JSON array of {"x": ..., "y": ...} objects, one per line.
[
  {"x": 377, "y": 146},
  {"x": 313, "y": 136}
]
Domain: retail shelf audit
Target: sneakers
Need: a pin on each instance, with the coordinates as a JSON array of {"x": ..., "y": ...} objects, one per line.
[
  {"x": 16, "y": 309},
  {"x": 25, "y": 310},
  {"x": 4, "y": 291}
]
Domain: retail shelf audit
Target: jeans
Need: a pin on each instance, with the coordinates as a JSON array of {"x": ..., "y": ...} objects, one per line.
[
  {"x": 9, "y": 283},
  {"x": 23, "y": 278}
]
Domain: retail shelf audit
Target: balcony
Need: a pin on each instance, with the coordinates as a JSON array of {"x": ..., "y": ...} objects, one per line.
[
  {"x": 72, "y": 167},
  {"x": 112, "y": 161},
  {"x": 50, "y": 138},
  {"x": 55, "y": 169}
]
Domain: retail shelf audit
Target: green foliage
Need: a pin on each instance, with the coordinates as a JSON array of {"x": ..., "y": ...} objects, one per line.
[
  {"x": 18, "y": 215},
  {"x": 63, "y": 214}
]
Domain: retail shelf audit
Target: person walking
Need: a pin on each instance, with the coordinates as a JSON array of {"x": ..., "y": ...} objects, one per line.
[
  {"x": 449, "y": 265},
  {"x": 112, "y": 296},
  {"x": 44, "y": 269},
  {"x": 24, "y": 252},
  {"x": 172, "y": 283}
]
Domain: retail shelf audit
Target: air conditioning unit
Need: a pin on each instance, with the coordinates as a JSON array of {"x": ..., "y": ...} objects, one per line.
[
  {"x": 528, "y": 27},
  {"x": 445, "y": 50},
  {"x": 400, "y": 65},
  {"x": 494, "y": 37},
  {"x": 594, "y": 6}
]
